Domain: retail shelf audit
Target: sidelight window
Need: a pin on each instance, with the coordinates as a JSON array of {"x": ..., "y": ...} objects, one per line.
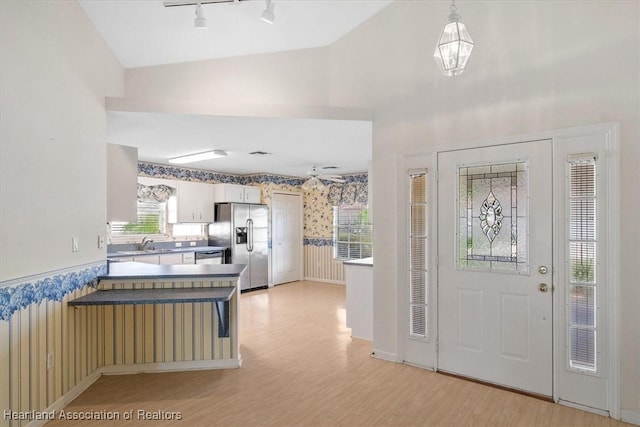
[
  {"x": 418, "y": 244},
  {"x": 582, "y": 256}
]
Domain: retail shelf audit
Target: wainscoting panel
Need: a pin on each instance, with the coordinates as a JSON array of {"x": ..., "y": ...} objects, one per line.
[
  {"x": 320, "y": 266},
  {"x": 35, "y": 321}
]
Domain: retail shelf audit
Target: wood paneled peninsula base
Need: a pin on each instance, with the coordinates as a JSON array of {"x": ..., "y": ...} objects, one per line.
[{"x": 150, "y": 318}]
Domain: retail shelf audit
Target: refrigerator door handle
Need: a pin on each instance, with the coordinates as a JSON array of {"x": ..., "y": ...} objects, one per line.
[{"x": 250, "y": 235}]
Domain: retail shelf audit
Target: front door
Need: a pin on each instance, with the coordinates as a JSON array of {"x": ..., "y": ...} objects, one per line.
[{"x": 494, "y": 267}]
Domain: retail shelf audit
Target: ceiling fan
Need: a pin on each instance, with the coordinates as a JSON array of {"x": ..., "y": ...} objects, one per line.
[{"x": 314, "y": 181}]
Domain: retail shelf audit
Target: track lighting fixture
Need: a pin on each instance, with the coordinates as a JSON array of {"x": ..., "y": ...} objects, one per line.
[
  {"x": 200, "y": 21},
  {"x": 267, "y": 14}
]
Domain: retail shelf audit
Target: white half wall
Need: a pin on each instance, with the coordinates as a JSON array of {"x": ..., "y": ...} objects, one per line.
[{"x": 55, "y": 71}]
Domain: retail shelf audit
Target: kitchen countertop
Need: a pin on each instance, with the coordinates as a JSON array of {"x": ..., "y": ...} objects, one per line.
[
  {"x": 364, "y": 262},
  {"x": 162, "y": 251},
  {"x": 139, "y": 270}
]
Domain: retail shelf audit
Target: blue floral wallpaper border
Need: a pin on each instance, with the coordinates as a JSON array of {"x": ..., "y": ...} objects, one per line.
[
  {"x": 186, "y": 174},
  {"x": 317, "y": 241},
  {"x": 52, "y": 288}
]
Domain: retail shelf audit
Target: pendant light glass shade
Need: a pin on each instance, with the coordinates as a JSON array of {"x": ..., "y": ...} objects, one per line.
[
  {"x": 455, "y": 45},
  {"x": 311, "y": 183}
]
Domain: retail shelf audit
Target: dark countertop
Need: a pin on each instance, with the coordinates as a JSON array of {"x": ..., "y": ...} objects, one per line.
[
  {"x": 154, "y": 296},
  {"x": 363, "y": 262},
  {"x": 139, "y": 270},
  {"x": 162, "y": 251}
]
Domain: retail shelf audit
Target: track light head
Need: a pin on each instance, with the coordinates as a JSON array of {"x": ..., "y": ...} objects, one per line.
[
  {"x": 200, "y": 22},
  {"x": 267, "y": 14}
]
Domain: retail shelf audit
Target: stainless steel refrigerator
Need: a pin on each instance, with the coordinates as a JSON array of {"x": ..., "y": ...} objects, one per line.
[{"x": 242, "y": 227}]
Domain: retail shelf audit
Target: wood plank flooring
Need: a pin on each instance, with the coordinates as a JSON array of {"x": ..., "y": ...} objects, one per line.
[{"x": 302, "y": 368}]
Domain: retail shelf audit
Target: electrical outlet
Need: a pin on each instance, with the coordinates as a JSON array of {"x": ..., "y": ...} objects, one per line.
[
  {"x": 50, "y": 360},
  {"x": 178, "y": 244},
  {"x": 192, "y": 243},
  {"x": 74, "y": 244},
  {"x": 100, "y": 241}
]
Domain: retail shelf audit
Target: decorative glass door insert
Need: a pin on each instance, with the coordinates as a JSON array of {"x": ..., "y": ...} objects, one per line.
[{"x": 493, "y": 223}]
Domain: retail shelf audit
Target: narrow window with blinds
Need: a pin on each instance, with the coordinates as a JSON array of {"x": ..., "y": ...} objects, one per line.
[
  {"x": 352, "y": 232},
  {"x": 583, "y": 286},
  {"x": 418, "y": 228}
]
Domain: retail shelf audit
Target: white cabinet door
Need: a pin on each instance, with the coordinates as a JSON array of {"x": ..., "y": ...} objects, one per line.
[
  {"x": 173, "y": 258},
  {"x": 223, "y": 193},
  {"x": 189, "y": 258},
  {"x": 195, "y": 202},
  {"x": 234, "y": 193},
  {"x": 148, "y": 259},
  {"x": 251, "y": 194},
  {"x": 122, "y": 172}
]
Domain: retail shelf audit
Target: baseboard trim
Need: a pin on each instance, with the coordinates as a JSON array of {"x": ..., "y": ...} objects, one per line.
[
  {"x": 630, "y": 417},
  {"x": 385, "y": 355},
  {"x": 66, "y": 398},
  {"x": 317, "y": 279},
  {"x": 195, "y": 365}
]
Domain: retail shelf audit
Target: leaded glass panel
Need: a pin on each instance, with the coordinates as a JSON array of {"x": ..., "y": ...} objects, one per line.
[{"x": 492, "y": 214}]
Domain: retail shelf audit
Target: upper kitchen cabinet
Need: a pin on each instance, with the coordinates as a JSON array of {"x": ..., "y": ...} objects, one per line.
[
  {"x": 195, "y": 202},
  {"x": 225, "y": 193},
  {"x": 122, "y": 179}
]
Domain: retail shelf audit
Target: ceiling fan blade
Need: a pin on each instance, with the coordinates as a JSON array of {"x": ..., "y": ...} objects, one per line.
[{"x": 332, "y": 178}]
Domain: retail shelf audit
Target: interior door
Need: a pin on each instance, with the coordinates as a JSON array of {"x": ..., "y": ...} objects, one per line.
[
  {"x": 495, "y": 256},
  {"x": 287, "y": 238}
]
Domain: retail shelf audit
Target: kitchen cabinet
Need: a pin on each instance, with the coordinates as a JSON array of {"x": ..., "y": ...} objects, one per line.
[
  {"x": 177, "y": 258},
  {"x": 234, "y": 193},
  {"x": 147, "y": 259},
  {"x": 195, "y": 202},
  {"x": 189, "y": 258},
  {"x": 174, "y": 258},
  {"x": 122, "y": 189}
]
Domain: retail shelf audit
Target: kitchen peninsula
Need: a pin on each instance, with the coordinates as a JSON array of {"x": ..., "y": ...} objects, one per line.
[{"x": 166, "y": 317}]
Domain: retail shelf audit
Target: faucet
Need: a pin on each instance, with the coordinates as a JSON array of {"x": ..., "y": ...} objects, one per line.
[{"x": 145, "y": 242}]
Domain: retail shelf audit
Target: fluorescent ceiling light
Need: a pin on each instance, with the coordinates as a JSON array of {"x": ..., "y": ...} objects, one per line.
[
  {"x": 267, "y": 14},
  {"x": 190, "y": 158}
]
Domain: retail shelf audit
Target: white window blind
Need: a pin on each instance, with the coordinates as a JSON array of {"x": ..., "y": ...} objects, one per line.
[
  {"x": 583, "y": 286},
  {"x": 152, "y": 219},
  {"x": 352, "y": 233},
  {"x": 418, "y": 231}
]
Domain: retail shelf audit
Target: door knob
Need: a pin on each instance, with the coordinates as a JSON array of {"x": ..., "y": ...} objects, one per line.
[{"x": 542, "y": 287}]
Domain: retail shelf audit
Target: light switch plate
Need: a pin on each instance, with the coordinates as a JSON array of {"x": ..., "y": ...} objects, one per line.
[
  {"x": 74, "y": 244},
  {"x": 100, "y": 241}
]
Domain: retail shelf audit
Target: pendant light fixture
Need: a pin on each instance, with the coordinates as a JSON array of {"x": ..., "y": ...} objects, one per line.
[{"x": 455, "y": 45}]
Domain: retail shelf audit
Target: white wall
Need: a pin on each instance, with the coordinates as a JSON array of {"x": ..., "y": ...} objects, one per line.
[
  {"x": 536, "y": 66},
  {"x": 297, "y": 77},
  {"x": 55, "y": 71}
]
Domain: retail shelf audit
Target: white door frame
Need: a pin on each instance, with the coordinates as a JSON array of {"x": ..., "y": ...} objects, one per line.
[
  {"x": 611, "y": 162},
  {"x": 301, "y": 222}
]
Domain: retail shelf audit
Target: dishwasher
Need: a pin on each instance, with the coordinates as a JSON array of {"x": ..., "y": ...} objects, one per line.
[{"x": 210, "y": 257}]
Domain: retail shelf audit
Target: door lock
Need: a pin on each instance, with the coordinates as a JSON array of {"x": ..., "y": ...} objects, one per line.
[
  {"x": 543, "y": 287},
  {"x": 543, "y": 269}
]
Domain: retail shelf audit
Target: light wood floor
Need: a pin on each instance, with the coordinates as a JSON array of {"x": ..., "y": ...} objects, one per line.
[{"x": 302, "y": 368}]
